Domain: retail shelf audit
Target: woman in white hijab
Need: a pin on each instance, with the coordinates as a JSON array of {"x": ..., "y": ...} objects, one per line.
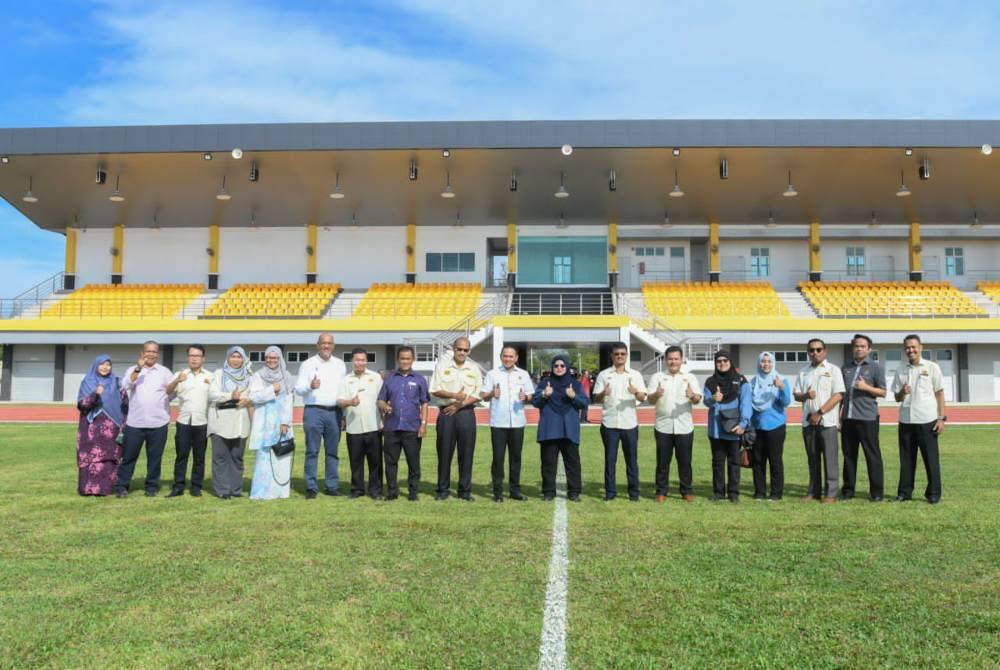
[
  {"x": 271, "y": 391},
  {"x": 229, "y": 422}
]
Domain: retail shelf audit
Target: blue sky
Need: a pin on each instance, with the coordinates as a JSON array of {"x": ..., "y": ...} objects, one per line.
[{"x": 152, "y": 62}]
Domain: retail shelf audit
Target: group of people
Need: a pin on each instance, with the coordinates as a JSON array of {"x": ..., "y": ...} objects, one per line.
[{"x": 385, "y": 417}]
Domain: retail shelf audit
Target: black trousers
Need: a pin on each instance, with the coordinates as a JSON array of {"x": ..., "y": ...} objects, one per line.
[
  {"x": 456, "y": 431},
  {"x": 724, "y": 451},
  {"x": 865, "y": 433},
  {"x": 362, "y": 447},
  {"x": 155, "y": 440},
  {"x": 571, "y": 463},
  {"x": 769, "y": 449},
  {"x": 914, "y": 437},
  {"x": 667, "y": 445},
  {"x": 227, "y": 465},
  {"x": 190, "y": 440},
  {"x": 510, "y": 440},
  {"x": 396, "y": 441},
  {"x": 629, "y": 439}
]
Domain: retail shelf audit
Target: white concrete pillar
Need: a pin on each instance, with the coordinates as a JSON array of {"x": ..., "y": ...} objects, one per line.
[{"x": 497, "y": 344}]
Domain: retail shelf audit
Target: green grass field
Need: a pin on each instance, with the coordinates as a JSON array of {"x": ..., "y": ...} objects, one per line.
[{"x": 181, "y": 583}]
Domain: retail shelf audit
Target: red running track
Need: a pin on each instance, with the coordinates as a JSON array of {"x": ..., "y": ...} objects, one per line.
[{"x": 68, "y": 414}]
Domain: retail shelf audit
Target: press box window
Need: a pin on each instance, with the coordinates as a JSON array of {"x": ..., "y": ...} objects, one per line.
[
  {"x": 450, "y": 262},
  {"x": 349, "y": 357}
]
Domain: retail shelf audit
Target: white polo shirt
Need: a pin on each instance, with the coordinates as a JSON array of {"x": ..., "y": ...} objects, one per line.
[
  {"x": 673, "y": 409},
  {"x": 827, "y": 379},
  {"x": 619, "y": 405},
  {"x": 507, "y": 411},
  {"x": 192, "y": 397},
  {"x": 925, "y": 380},
  {"x": 330, "y": 372},
  {"x": 365, "y": 417}
]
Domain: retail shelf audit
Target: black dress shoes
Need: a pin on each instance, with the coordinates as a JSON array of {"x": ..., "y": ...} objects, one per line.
[
  {"x": 441, "y": 496},
  {"x": 518, "y": 496},
  {"x": 151, "y": 493},
  {"x": 195, "y": 493},
  {"x": 548, "y": 497},
  {"x": 354, "y": 495},
  {"x": 121, "y": 493},
  {"x": 715, "y": 497},
  {"x": 877, "y": 499},
  {"x": 899, "y": 499},
  {"x": 933, "y": 501},
  {"x": 332, "y": 492},
  {"x": 633, "y": 498},
  {"x": 466, "y": 497},
  {"x": 310, "y": 494},
  {"x": 175, "y": 493},
  {"x": 574, "y": 497},
  {"x": 413, "y": 496}
]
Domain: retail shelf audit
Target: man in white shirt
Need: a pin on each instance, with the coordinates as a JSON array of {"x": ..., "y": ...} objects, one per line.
[
  {"x": 190, "y": 387},
  {"x": 919, "y": 387},
  {"x": 456, "y": 385},
  {"x": 359, "y": 401},
  {"x": 509, "y": 389},
  {"x": 319, "y": 384},
  {"x": 148, "y": 419},
  {"x": 673, "y": 393},
  {"x": 820, "y": 388},
  {"x": 620, "y": 389}
]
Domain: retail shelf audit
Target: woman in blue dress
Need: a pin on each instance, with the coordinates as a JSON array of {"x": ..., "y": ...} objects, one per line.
[
  {"x": 770, "y": 395},
  {"x": 560, "y": 398},
  {"x": 727, "y": 396},
  {"x": 271, "y": 392}
]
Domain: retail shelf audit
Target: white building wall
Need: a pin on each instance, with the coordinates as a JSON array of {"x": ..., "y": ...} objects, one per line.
[
  {"x": 656, "y": 268},
  {"x": 833, "y": 258},
  {"x": 261, "y": 254},
  {"x": 789, "y": 260},
  {"x": 33, "y": 373},
  {"x": 165, "y": 256},
  {"x": 357, "y": 257},
  {"x": 79, "y": 358},
  {"x": 468, "y": 239},
  {"x": 980, "y": 261},
  {"x": 93, "y": 260},
  {"x": 984, "y": 372}
]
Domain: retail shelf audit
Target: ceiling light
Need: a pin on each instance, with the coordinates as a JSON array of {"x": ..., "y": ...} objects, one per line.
[
  {"x": 677, "y": 151},
  {"x": 975, "y": 220},
  {"x": 4, "y": 159},
  {"x": 676, "y": 191},
  {"x": 448, "y": 191},
  {"x": 445, "y": 153},
  {"x": 790, "y": 192},
  {"x": 873, "y": 223},
  {"x": 562, "y": 192},
  {"x": 987, "y": 149},
  {"x": 566, "y": 149},
  {"x": 458, "y": 220},
  {"x": 156, "y": 219},
  {"x": 924, "y": 171},
  {"x": 237, "y": 153},
  {"x": 513, "y": 181},
  {"x": 903, "y": 190},
  {"x": 666, "y": 220},
  {"x": 223, "y": 194},
  {"x": 908, "y": 151},
  {"x": 337, "y": 193},
  {"x": 413, "y": 169},
  {"x": 101, "y": 176},
  {"x": 562, "y": 221},
  {"x": 354, "y": 220},
  {"x": 724, "y": 169},
  {"x": 770, "y": 219},
  {"x": 207, "y": 156},
  {"x": 116, "y": 195},
  {"x": 254, "y": 172},
  {"x": 253, "y": 220},
  {"x": 612, "y": 182},
  {"x": 28, "y": 195}
]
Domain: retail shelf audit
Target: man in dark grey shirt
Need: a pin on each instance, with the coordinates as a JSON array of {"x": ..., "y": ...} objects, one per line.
[{"x": 864, "y": 381}]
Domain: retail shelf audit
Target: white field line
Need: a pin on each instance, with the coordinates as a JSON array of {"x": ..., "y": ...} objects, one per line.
[{"x": 552, "y": 651}]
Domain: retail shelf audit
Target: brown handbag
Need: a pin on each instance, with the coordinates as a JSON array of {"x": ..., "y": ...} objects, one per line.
[{"x": 746, "y": 457}]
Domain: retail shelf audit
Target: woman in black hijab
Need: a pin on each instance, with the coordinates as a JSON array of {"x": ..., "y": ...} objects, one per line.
[
  {"x": 730, "y": 408},
  {"x": 560, "y": 398}
]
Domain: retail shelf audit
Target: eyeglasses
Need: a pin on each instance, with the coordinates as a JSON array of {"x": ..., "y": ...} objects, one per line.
[
  {"x": 721, "y": 360},
  {"x": 815, "y": 351},
  {"x": 559, "y": 365},
  {"x": 464, "y": 351}
]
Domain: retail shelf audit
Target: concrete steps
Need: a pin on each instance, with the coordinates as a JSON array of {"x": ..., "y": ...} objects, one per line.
[{"x": 797, "y": 306}]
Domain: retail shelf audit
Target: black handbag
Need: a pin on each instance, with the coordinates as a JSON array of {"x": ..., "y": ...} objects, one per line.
[
  {"x": 228, "y": 404},
  {"x": 283, "y": 447},
  {"x": 729, "y": 418}
]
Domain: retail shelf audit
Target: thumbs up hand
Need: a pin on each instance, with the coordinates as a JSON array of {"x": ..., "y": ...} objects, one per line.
[
  {"x": 548, "y": 390},
  {"x": 315, "y": 382},
  {"x": 811, "y": 394},
  {"x": 521, "y": 395},
  {"x": 570, "y": 393},
  {"x": 182, "y": 376},
  {"x": 907, "y": 390},
  {"x": 717, "y": 396},
  {"x": 779, "y": 383},
  {"x": 631, "y": 388},
  {"x": 236, "y": 394},
  {"x": 689, "y": 392},
  {"x": 276, "y": 386},
  {"x": 496, "y": 391},
  {"x": 100, "y": 389},
  {"x": 355, "y": 401}
]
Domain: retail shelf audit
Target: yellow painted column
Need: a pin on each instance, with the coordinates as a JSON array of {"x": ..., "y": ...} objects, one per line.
[
  {"x": 69, "y": 273},
  {"x": 511, "y": 248},
  {"x": 714, "y": 274},
  {"x": 312, "y": 236},
  {"x": 613, "y": 252},
  {"x": 411, "y": 253},
  {"x": 118, "y": 253},
  {"x": 916, "y": 271},
  {"x": 815, "y": 247},
  {"x": 213, "y": 256}
]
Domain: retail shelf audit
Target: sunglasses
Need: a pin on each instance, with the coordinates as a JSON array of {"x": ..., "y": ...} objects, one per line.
[
  {"x": 620, "y": 353},
  {"x": 815, "y": 351},
  {"x": 464, "y": 351},
  {"x": 559, "y": 365},
  {"x": 721, "y": 360}
]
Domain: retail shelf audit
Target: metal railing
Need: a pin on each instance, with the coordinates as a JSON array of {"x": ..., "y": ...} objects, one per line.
[
  {"x": 865, "y": 275},
  {"x": 898, "y": 308},
  {"x": 576, "y": 304},
  {"x": 33, "y": 297},
  {"x": 722, "y": 307}
]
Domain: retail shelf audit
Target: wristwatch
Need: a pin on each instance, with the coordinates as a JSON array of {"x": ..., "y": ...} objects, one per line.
[{"x": 942, "y": 418}]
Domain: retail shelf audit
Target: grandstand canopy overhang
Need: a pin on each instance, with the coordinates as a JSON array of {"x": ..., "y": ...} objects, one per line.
[{"x": 844, "y": 171}]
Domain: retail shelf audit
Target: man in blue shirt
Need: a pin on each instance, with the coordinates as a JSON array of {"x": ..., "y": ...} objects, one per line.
[
  {"x": 403, "y": 402},
  {"x": 508, "y": 388}
]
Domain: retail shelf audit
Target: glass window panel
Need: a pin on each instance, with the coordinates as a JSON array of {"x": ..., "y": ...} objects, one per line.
[
  {"x": 677, "y": 252},
  {"x": 449, "y": 262},
  {"x": 587, "y": 266},
  {"x": 944, "y": 354},
  {"x": 467, "y": 262},
  {"x": 640, "y": 251},
  {"x": 893, "y": 355},
  {"x": 660, "y": 251},
  {"x": 433, "y": 263}
]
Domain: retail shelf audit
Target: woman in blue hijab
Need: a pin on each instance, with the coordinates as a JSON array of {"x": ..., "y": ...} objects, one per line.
[
  {"x": 560, "y": 398},
  {"x": 770, "y": 395},
  {"x": 103, "y": 405}
]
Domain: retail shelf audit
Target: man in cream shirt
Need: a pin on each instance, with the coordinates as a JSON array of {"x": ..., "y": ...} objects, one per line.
[
  {"x": 359, "y": 402},
  {"x": 919, "y": 387},
  {"x": 820, "y": 388},
  {"x": 620, "y": 389},
  {"x": 190, "y": 387},
  {"x": 673, "y": 393},
  {"x": 456, "y": 386},
  {"x": 319, "y": 384}
]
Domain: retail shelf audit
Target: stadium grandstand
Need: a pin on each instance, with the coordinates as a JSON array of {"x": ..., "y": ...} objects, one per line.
[{"x": 746, "y": 235}]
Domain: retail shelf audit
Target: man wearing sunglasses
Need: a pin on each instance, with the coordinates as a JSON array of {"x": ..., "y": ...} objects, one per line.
[
  {"x": 620, "y": 389},
  {"x": 820, "y": 388},
  {"x": 456, "y": 385}
]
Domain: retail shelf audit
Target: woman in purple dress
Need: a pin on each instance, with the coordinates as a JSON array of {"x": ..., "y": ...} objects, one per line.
[{"x": 103, "y": 404}]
